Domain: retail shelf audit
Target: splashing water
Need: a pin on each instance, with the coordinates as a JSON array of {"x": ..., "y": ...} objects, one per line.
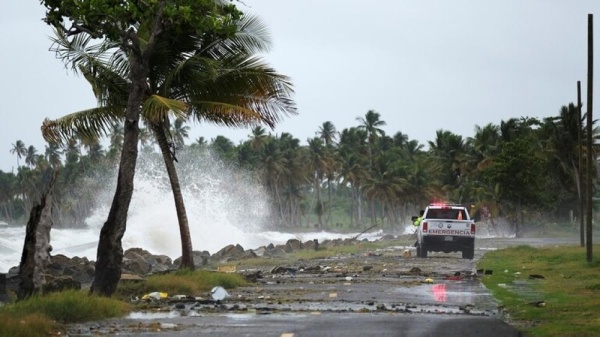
[{"x": 224, "y": 205}]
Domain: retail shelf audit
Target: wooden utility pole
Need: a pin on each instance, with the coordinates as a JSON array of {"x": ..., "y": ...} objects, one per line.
[
  {"x": 581, "y": 185},
  {"x": 590, "y": 145}
]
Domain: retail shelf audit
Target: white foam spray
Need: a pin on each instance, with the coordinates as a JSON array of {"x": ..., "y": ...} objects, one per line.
[{"x": 225, "y": 205}]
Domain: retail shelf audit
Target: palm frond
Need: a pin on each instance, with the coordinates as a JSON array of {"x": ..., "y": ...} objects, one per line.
[
  {"x": 86, "y": 124},
  {"x": 79, "y": 49},
  {"x": 156, "y": 109}
]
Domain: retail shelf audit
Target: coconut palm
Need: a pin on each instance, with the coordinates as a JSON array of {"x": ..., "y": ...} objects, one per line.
[
  {"x": 52, "y": 154},
  {"x": 19, "y": 149},
  {"x": 328, "y": 134},
  {"x": 31, "y": 158},
  {"x": 258, "y": 138},
  {"x": 372, "y": 124},
  {"x": 202, "y": 78},
  {"x": 179, "y": 132}
]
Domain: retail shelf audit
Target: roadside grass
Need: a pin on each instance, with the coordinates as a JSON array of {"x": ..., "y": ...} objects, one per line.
[
  {"x": 34, "y": 325},
  {"x": 42, "y": 315},
  {"x": 570, "y": 289},
  {"x": 181, "y": 282}
]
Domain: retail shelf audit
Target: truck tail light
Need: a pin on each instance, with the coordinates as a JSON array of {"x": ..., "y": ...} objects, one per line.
[
  {"x": 424, "y": 226},
  {"x": 473, "y": 228}
]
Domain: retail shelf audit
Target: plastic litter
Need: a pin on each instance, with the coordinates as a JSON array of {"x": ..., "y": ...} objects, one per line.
[
  {"x": 155, "y": 296},
  {"x": 219, "y": 293}
]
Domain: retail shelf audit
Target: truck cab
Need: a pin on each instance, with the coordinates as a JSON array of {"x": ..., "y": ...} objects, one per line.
[{"x": 446, "y": 228}]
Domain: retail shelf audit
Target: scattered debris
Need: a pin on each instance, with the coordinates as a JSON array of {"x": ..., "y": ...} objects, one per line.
[
  {"x": 226, "y": 269},
  {"x": 415, "y": 270},
  {"x": 219, "y": 293},
  {"x": 539, "y": 304},
  {"x": 168, "y": 326},
  {"x": 155, "y": 296}
]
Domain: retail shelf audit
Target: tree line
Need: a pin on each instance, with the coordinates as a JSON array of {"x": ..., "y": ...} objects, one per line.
[{"x": 524, "y": 169}]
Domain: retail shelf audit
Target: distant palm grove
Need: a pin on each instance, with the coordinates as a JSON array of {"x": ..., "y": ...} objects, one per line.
[{"x": 524, "y": 170}]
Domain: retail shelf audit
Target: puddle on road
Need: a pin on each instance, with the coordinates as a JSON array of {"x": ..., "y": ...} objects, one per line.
[
  {"x": 144, "y": 315},
  {"x": 153, "y": 315},
  {"x": 456, "y": 293}
]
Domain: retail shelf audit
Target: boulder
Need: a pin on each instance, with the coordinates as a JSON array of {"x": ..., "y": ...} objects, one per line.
[
  {"x": 261, "y": 251},
  {"x": 311, "y": 244},
  {"x": 134, "y": 252},
  {"x": 277, "y": 251},
  {"x": 60, "y": 283},
  {"x": 141, "y": 262},
  {"x": 229, "y": 253},
  {"x": 136, "y": 266},
  {"x": 80, "y": 269},
  {"x": 293, "y": 245},
  {"x": 201, "y": 258}
]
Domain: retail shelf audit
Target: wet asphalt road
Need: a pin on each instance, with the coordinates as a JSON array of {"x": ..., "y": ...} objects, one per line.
[
  {"x": 384, "y": 293},
  {"x": 332, "y": 324}
]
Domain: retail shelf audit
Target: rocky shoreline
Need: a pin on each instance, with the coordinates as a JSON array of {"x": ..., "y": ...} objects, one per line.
[{"x": 78, "y": 272}]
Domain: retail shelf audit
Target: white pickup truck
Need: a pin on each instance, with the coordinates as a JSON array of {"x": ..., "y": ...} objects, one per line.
[{"x": 446, "y": 228}]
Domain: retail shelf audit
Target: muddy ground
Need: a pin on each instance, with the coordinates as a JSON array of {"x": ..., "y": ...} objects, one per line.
[{"x": 391, "y": 280}]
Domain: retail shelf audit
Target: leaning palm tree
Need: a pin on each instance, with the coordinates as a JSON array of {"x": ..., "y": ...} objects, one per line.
[{"x": 203, "y": 79}]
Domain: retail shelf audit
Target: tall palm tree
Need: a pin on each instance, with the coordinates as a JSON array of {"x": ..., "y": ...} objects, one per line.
[
  {"x": 206, "y": 79},
  {"x": 53, "y": 153},
  {"x": 179, "y": 132},
  {"x": 317, "y": 161},
  {"x": 294, "y": 177},
  {"x": 31, "y": 158},
  {"x": 258, "y": 138},
  {"x": 19, "y": 149},
  {"x": 372, "y": 124},
  {"x": 354, "y": 166},
  {"x": 449, "y": 149},
  {"x": 328, "y": 134}
]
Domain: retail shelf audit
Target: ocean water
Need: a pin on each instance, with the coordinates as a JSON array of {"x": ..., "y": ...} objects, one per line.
[{"x": 224, "y": 206}]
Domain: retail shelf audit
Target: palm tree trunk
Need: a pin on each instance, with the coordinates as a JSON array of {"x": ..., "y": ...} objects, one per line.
[
  {"x": 110, "y": 249},
  {"x": 279, "y": 202},
  {"x": 319, "y": 201},
  {"x": 187, "y": 257},
  {"x": 352, "y": 205},
  {"x": 329, "y": 189}
]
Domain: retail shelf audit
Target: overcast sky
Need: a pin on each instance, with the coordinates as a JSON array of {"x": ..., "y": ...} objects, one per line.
[{"x": 423, "y": 65}]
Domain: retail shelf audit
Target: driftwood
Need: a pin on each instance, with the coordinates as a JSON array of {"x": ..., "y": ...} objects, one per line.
[
  {"x": 36, "y": 249},
  {"x": 363, "y": 232}
]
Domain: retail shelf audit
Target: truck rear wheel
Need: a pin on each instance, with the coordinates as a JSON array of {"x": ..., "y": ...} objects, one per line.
[
  {"x": 468, "y": 253},
  {"x": 421, "y": 250}
]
